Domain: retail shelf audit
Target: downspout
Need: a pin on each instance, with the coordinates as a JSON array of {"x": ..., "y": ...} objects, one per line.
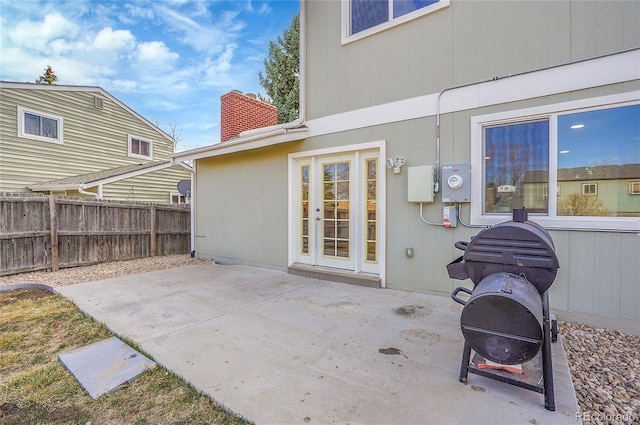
[
  {"x": 302, "y": 77},
  {"x": 436, "y": 185},
  {"x": 96, "y": 195},
  {"x": 192, "y": 201}
]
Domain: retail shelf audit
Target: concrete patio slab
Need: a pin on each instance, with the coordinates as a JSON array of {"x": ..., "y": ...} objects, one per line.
[{"x": 283, "y": 349}]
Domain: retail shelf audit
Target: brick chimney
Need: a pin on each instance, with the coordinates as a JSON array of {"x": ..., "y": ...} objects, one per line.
[{"x": 240, "y": 112}]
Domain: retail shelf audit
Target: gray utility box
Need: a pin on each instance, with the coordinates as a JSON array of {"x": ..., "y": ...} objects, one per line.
[{"x": 456, "y": 183}]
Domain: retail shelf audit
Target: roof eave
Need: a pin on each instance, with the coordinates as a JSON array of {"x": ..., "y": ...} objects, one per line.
[
  {"x": 274, "y": 136},
  {"x": 94, "y": 183}
]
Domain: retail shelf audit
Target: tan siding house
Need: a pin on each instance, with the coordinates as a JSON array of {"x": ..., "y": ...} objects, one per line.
[
  {"x": 82, "y": 141},
  {"x": 504, "y": 88}
]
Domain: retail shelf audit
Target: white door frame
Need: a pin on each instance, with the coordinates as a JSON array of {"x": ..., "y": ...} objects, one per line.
[{"x": 310, "y": 157}]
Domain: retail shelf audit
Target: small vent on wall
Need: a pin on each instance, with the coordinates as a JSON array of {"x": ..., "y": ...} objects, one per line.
[{"x": 97, "y": 102}]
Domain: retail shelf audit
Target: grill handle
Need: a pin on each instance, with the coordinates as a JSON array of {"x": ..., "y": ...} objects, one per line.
[
  {"x": 461, "y": 245},
  {"x": 454, "y": 294}
]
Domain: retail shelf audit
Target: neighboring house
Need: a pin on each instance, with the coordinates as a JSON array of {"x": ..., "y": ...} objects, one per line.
[
  {"x": 82, "y": 141},
  {"x": 500, "y": 88}
]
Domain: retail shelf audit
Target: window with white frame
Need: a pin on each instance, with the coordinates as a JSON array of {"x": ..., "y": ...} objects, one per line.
[
  {"x": 589, "y": 189},
  {"x": 38, "y": 125},
  {"x": 140, "y": 147},
  {"x": 365, "y": 17},
  {"x": 178, "y": 198},
  {"x": 562, "y": 164},
  {"x": 634, "y": 188}
]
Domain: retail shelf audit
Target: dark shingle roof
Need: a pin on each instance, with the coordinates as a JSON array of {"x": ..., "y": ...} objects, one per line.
[{"x": 83, "y": 179}]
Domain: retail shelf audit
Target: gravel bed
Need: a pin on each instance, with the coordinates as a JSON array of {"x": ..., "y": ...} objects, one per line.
[
  {"x": 604, "y": 364},
  {"x": 605, "y": 368},
  {"x": 75, "y": 275}
]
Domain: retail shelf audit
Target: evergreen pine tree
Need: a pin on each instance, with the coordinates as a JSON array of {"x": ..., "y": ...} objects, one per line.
[
  {"x": 281, "y": 78},
  {"x": 49, "y": 77}
]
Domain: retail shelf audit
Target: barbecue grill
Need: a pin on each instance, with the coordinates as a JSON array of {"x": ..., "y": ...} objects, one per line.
[{"x": 506, "y": 321}]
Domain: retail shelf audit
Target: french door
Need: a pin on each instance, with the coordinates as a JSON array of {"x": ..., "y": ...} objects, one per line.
[{"x": 337, "y": 211}]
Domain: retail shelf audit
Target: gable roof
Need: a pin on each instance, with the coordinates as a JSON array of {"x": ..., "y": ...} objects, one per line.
[
  {"x": 86, "y": 89},
  {"x": 88, "y": 180}
]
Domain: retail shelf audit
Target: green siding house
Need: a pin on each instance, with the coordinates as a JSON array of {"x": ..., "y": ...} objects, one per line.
[
  {"x": 512, "y": 96},
  {"x": 82, "y": 141}
]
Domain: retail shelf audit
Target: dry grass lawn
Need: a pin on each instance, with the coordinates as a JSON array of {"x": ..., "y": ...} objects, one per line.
[{"x": 35, "y": 388}]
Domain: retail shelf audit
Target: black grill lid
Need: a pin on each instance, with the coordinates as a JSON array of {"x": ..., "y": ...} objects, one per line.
[{"x": 513, "y": 247}]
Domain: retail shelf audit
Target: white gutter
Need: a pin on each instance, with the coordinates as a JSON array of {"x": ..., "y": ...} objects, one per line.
[
  {"x": 96, "y": 195},
  {"x": 303, "y": 66},
  {"x": 193, "y": 211}
]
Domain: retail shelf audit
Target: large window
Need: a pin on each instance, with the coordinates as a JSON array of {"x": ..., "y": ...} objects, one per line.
[
  {"x": 516, "y": 163},
  {"x": 570, "y": 168},
  {"x": 140, "y": 147},
  {"x": 364, "y": 17},
  {"x": 39, "y": 125}
]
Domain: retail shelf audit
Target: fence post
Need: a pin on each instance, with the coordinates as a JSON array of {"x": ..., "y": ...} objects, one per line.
[
  {"x": 53, "y": 219},
  {"x": 153, "y": 230}
]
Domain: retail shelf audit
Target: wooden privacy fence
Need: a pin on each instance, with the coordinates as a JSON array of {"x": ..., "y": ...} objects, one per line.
[{"x": 51, "y": 232}]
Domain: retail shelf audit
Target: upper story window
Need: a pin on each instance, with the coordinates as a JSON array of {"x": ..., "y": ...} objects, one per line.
[
  {"x": 361, "y": 18},
  {"x": 39, "y": 125},
  {"x": 570, "y": 168},
  {"x": 140, "y": 147}
]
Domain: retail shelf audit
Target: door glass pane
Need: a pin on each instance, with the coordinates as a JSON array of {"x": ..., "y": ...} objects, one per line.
[
  {"x": 329, "y": 247},
  {"x": 329, "y": 191},
  {"x": 336, "y": 209},
  {"x": 329, "y": 229},
  {"x": 342, "y": 249},
  {"x": 330, "y": 172},
  {"x": 343, "y": 210},
  {"x": 343, "y": 229},
  {"x": 342, "y": 171},
  {"x": 329, "y": 210},
  {"x": 371, "y": 251},
  {"x": 343, "y": 190},
  {"x": 371, "y": 210},
  {"x": 304, "y": 206}
]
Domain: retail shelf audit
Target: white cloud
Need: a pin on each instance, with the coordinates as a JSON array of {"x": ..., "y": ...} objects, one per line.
[
  {"x": 38, "y": 35},
  {"x": 156, "y": 56},
  {"x": 155, "y": 52},
  {"x": 136, "y": 14},
  {"x": 108, "y": 39},
  {"x": 208, "y": 37},
  {"x": 121, "y": 85}
]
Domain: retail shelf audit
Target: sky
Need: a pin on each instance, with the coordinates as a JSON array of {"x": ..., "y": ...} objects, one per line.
[{"x": 168, "y": 60}]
